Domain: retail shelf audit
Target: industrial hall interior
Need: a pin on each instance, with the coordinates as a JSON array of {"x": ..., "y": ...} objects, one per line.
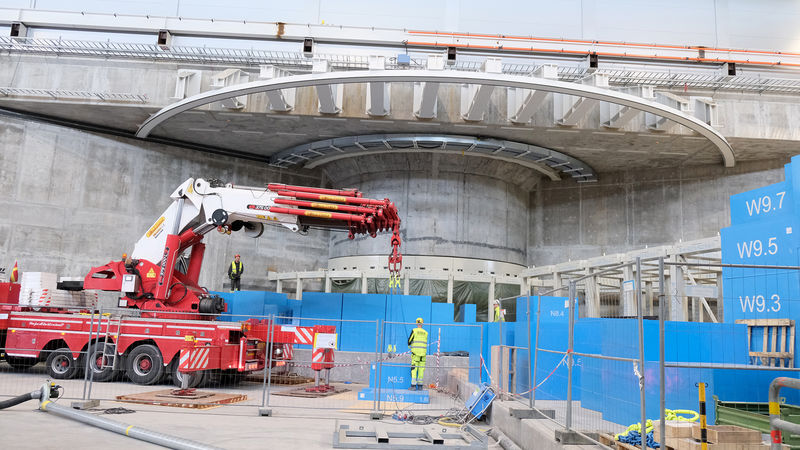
[{"x": 351, "y": 224}]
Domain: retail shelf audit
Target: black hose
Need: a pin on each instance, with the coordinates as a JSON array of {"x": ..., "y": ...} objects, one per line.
[{"x": 19, "y": 399}]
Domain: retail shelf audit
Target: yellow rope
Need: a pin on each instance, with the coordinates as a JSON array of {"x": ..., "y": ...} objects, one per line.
[
  {"x": 669, "y": 414},
  {"x": 672, "y": 414},
  {"x": 444, "y": 421}
]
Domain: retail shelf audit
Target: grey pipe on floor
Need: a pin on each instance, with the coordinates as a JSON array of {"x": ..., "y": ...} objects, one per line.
[
  {"x": 142, "y": 434},
  {"x": 503, "y": 440}
]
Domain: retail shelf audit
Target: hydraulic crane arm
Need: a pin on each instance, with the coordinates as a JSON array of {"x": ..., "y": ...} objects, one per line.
[
  {"x": 202, "y": 206},
  {"x": 199, "y": 206}
]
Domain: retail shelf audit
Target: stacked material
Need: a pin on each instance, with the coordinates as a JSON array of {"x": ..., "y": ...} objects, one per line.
[
  {"x": 39, "y": 289},
  {"x": 686, "y": 436}
]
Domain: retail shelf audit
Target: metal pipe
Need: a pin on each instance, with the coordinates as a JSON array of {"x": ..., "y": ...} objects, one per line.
[
  {"x": 602, "y": 272},
  {"x": 569, "y": 352},
  {"x": 662, "y": 312},
  {"x": 88, "y": 355},
  {"x": 640, "y": 320},
  {"x": 268, "y": 368},
  {"x": 742, "y": 266},
  {"x": 530, "y": 368},
  {"x": 380, "y": 366},
  {"x": 536, "y": 348},
  {"x": 776, "y": 424},
  {"x": 729, "y": 367},
  {"x": 377, "y": 349},
  {"x": 88, "y": 345},
  {"x": 139, "y": 433}
]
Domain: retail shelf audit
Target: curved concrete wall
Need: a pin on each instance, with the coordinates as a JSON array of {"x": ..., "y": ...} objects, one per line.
[
  {"x": 451, "y": 206},
  {"x": 71, "y": 200},
  {"x": 635, "y": 209}
]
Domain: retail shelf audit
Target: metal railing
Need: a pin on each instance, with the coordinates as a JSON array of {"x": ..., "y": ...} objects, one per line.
[{"x": 297, "y": 62}]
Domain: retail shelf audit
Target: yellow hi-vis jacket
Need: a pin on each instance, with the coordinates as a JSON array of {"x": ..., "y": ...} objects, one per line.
[
  {"x": 498, "y": 315},
  {"x": 235, "y": 271},
  {"x": 418, "y": 341}
]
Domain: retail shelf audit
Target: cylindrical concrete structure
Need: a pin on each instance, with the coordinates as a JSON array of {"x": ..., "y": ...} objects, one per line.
[{"x": 451, "y": 206}]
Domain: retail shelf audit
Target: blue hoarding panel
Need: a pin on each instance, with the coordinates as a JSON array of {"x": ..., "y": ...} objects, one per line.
[
  {"x": 767, "y": 203},
  {"x": 318, "y": 306},
  {"x": 467, "y": 313},
  {"x": 401, "y": 314},
  {"x": 360, "y": 336}
]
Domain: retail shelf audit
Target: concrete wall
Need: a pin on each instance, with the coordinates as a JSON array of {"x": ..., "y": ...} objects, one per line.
[
  {"x": 71, "y": 200},
  {"x": 451, "y": 206},
  {"x": 633, "y": 209}
]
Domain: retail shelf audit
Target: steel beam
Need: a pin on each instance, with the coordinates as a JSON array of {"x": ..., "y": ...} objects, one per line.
[
  {"x": 582, "y": 106},
  {"x": 378, "y": 93},
  {"x": 475, "y": 97},
  {"x": 329, "y": 95},
  {"x": 279, "y": 100}
]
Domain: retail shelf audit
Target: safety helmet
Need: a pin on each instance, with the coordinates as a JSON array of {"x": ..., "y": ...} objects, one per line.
[
  {"x": 497, "y": 302},
  {"x": 236, "y": 256},
  {"x": 419, "y": 319}
]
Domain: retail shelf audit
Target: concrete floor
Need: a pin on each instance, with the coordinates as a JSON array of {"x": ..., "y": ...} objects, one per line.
[{"x": 296, "y": 422}]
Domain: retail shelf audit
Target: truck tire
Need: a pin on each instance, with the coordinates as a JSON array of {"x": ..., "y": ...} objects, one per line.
[
  {"x": 21, "y": 362},
  {"x": 144, "y": 365},
  {"x": 61, "y": 365},
  {"x": 95, "y": 355},
  {"x": 195, "y": 378}
]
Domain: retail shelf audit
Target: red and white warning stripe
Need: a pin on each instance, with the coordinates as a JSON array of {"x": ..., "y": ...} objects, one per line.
[
  {"x": 303, "y": 335},
  {"x": 195, "y": 359},
  {"x": 318, "y": 355}
]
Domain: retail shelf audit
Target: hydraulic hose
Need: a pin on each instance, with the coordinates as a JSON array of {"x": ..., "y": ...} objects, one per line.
[{"x": 35, "y": 395}]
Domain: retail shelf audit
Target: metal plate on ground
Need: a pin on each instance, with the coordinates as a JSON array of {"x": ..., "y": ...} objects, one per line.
[
  {"x": 281, "y": 379},
  {"x": 198, "y": 400},
  {"x": 382, "y": 436},
  {"x": 301, "y": 392}
]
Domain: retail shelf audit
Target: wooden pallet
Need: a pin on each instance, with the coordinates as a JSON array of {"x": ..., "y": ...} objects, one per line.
[
  {"x": 198, "y": 400},
  {"x": 777, "y": 333}
]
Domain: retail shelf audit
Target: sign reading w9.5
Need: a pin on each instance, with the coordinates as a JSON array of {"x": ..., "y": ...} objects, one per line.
[{"x": 770, "y": 243}]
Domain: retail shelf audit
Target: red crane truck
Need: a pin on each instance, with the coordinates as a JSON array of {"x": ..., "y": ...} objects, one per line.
[{"x": 169, "y": 326}]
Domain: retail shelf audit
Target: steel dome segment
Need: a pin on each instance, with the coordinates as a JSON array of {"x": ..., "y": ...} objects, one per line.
[
  {"x": 548, "y": 162},
  {"x": 516, "y": 81}
]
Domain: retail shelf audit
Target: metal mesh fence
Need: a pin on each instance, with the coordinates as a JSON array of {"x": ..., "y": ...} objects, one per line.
[{"x": 597, "y": 366}]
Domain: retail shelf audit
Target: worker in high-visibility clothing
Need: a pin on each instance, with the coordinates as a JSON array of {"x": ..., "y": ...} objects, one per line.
[
  {"x": 235, "y": 273},
  {"x": 418, "y": 344},
  {"x": 499, "y": 315}
]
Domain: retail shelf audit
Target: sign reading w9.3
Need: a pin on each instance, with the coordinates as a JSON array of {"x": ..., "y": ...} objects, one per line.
[{"x": 767, "y": 203}]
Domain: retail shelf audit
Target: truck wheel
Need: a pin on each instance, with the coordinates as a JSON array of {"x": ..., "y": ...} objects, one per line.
[
  {"x": 144, "y": 365},
  {"x": 195, "y": 378},
  {"x": 97, "y": 361},
  {"x": 21, "y": 362},
  {"x": 61, "y": 365}
]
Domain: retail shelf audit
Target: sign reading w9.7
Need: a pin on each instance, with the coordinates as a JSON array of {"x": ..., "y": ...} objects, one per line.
[{"x": 765, "y": 203}]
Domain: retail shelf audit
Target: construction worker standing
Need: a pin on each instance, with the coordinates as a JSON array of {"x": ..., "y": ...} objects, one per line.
[
  {"x": 235, "y": 274},
  {"x": 499, "y": 315},
  {"x": 418, "y": 344}
]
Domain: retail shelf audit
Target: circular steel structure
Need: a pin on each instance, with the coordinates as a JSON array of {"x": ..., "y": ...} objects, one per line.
[
  {"x": 443, "y": 76},
  {"x": 548, "y": 162}
]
